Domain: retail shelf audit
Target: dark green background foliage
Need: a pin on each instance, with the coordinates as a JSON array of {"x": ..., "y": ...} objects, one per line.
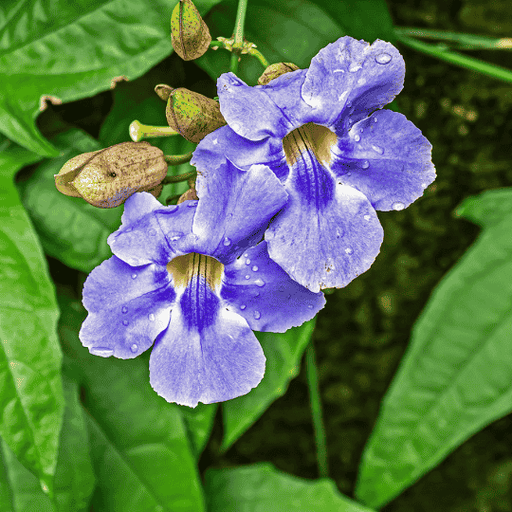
[{"x": 414, "y": 442}]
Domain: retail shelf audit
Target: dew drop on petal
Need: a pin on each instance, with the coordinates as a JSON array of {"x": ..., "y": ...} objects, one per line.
[
  {"x": 383, "y": 58},
  {"x": 378, "y": 149},
  {"x": 151, "y": 317},
  {"x": 226, "y": 242},
  {"x": 349, "y": 250},
  {"x": 374, "y": 119},
  {"x": 310, "y": 306},
  {"x": 398, "y": 206},
  {"x": 354, "y": 67},
  {"x": 247, "y": 276},
  {"x": 134, "y": 276},
  {"x": 175, "y": 236},
  {"x": 255, "y": 268},
  {"x": 242, "y": 306},
  {"x": 125, "y": 322},
  {"x": 152, "y": 232},
  {"x": 257, "y": 294},
  {"x": 235, "y": 126},
  {"x": 215, "y": 141},
  {"x": 366, "y": 217},
  {"x": 134, "y": 348},
  {"x": 247, "y": 261},
  {"x": 357, "y": 138},
  {"x": 365, "y": 164},
  {"x": 257, "y": 315},
  {"x": 124, "y": 309},
  {"x": 361, "y": 81},
  {"x": 259, "y": 282},
  {"x": 101, "y": 351},
  {"x": 172, "y": 208},
  {"x": 191, "y": 204}
]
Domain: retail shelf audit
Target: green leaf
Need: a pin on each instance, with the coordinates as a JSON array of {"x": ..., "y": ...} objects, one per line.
[
  {"x": 139, "y": 446},
  {"x": 71, "y": 50},
  {"x": 31, "y": 398},
  {"x": 70, "y": 229},
  {"x": 74, "y": 479},
  {"x": 283, "y": 353},
  {"x": 285, "y": 31},
  {"x": 455, "y": 377},
  {"x": 261, "y": 487},
  {"x": 199, "y": 423}
]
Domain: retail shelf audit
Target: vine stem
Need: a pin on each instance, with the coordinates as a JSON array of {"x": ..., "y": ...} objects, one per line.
[
  {"x": 316, "y": 411},
  {"x": 239, "y": 33}
]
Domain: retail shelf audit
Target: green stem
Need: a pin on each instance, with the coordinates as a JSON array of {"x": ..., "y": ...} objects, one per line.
[
  {"x": 316, "y": 411},
  {"x": 179, "y": 177},
  {"x": 457, "y": 59},
  {"x": 178, "y": 159},
  {"x": 239, "y": 33},
  {"x": 259, "y": 56}
]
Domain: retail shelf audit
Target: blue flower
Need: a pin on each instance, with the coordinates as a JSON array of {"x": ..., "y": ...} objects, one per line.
[
  {"x": 337, "y": 154},
  {"x": 193, "y": 280}
]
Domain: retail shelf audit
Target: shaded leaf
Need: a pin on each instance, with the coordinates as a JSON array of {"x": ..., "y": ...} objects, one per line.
[
  {"x": 199, "y": 423},
  {"x": 139, "y": 447},
  {"x": 455, "y": 376},
  {"x": 262, "y": 487},
  {"x": 31, "y": 399},
  {"x": 283, "y": 352}
]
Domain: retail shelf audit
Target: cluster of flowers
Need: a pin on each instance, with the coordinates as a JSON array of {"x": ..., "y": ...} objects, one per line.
[{"x": 288, "y": 191}]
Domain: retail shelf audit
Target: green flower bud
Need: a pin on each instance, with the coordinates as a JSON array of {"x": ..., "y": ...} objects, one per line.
[
  {"x": 189, "y": 33},
  {"x": 107, "y": 177},
  {"x": 275, "y": 70},
  {"x": 193, "y": 115},
  {"x": 163, "y": 91}
]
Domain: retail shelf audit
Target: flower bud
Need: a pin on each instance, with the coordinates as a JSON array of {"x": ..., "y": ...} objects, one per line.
[
  {"x": 275, "y": 70},
  {"x": 193, "y": 115},
  {"x": 107, "y": 177},
  {"x": 189, "y": 33}
]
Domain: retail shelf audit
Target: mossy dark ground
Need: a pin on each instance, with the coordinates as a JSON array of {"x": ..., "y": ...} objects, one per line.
[{"x": 364, "y": 330}]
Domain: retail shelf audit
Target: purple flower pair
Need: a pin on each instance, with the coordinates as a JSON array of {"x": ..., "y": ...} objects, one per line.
[{"x": 288, "y": 193}]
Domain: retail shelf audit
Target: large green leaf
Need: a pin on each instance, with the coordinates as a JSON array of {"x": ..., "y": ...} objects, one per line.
[
  {"x": 456, "y": 375},
  {"x": 139, "y": 446},
  {"x": 71, "y": 50},
  {"x": 261, "y": 487},
  {"x": 70, "y": 229},
  {"x": 283, "y": 353},
  {"x": 31, "y": 399},
  {"x": 199, "y": 423},
  {"x": 74, "y": 479},
  {"x": 285, "y": 31}
]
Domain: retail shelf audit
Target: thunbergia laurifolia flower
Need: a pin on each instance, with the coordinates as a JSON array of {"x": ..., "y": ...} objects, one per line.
[
  {"x": 195, "y": 279},
  {"x": 338, "y": 155}
]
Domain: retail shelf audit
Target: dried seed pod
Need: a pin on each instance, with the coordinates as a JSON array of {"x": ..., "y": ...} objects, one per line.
[
  {"x": 193, "y": 115},
  {"x": 275, "y": 70},
  {"x": 189, "y": 34},
  {"x": 163, "y": 91},
  {"x": 107, "y": 177}
]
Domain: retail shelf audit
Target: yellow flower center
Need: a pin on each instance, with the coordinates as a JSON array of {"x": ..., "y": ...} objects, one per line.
[{"x": 184, "y": 268}]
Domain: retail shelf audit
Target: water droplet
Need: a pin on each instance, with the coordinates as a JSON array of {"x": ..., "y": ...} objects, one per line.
[
  {"x": 378, "y": 149},
  {"x": 259, "y": 282},
  {"x": 310, "y": 306},
  {"x": 349, "y": 250},
  {"x": 152, "y": 232},
  {"x": 398, "y": 206},
  {"x": 366, "y": 217},
  {"x": 361, "y": 81},
  {"x": 124, "y": 309},
  {"x": 227, "y": 242},
  {"x": 242, "y": 306},
  {"x": 247, "y": 261},
  {"x": 365, "y": 164},
  {"x": 235, "y": 126},
  {"x": 257, "y": 294},
  {"x": 357, "y": 138},
  {"x": 172, "y": 208},
  {"x": 125, "y": 322},
  {"x": 257, "y": 315},
  {"x": 339, "y": 71},
  {"x": 374, "y": 119},
  {"x": 191, "y": 204},
  {"x": 151, "y": 317},
  {"x": 215, "y": 141},
  {"x": 174, "y": 236},
  {"x": 383, "y": 58},
  {"x": 134, "y": 348},
  {"x": 354, "y": 67},
  {"x": 255, "y": 268},
  {"x": 134, "y": 276},
  {"x": 101, "y": 351},
  {"x": 247, "y": 276}
]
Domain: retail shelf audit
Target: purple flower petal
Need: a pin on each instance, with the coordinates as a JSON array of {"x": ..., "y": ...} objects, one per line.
[
  {"x": 258, "y": 289},
  {"x": 207, "y": 356},
  {"x": 349, "y": 79},
  {"x": 128, "y": 307},
  {"x": 386, "y": 158},
  {"x": 235, "y": 208},
  {"x": 329, "y": 246}
]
